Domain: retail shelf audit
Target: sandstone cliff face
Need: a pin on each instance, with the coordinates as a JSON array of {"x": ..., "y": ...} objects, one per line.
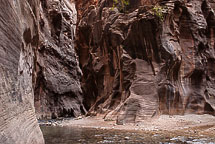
[
  {"x": 137, "y": 65},
  {"x": 39, "y": 70},
  {"x": 18, "y": 42},
  {"x": 133, "y": 65},
  {"x": 57, "y": 74}
]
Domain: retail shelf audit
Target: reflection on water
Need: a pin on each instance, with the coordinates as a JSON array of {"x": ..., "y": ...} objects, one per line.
[{"x": 75, "y": 135}]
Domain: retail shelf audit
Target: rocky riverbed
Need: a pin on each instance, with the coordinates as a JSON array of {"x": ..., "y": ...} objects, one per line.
[
  {"x": 171, "y": 129},
  {"x": 68, "y": 135}
]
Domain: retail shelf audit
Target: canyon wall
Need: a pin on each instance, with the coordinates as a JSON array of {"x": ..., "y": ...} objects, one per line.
[
  {"x": 18, "y": 43},
  {"x": 155, "y": 57},
  {"x": 57, "y": 73},
  {"x": 39, "y": 70},
  {"x": 64, "y": 58}
]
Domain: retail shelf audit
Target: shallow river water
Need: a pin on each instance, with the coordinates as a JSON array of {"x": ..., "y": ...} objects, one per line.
[{"x": 76, "y": 135}]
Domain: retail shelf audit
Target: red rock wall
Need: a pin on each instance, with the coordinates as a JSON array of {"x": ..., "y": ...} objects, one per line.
[
  {"x": 136, "y": 65},
  {"x": 127, "y": 66},
  {"x": 57, "y": 86}
]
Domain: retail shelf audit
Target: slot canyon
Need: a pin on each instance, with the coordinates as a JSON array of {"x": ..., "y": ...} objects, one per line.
[{"x": 124, "y": 62}]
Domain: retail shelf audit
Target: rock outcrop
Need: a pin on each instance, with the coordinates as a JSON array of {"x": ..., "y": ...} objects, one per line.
[
  {"x": 57, "y": 73},
  {"x": 156, "y": 57},
  {"x": 18, "y": 43}
]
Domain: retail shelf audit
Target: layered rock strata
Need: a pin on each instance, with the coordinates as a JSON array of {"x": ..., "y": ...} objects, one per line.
[
  {"x": 18, "y": 42},
  {"x": 130, "y": 63},
  {"x": 39, "y": 70}
]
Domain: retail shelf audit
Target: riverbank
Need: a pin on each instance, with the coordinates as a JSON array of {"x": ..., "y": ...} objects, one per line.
[{"x": 192, "y": 125}]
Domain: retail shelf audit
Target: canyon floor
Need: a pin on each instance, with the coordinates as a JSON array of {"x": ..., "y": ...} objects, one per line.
[{"x": 190, "y": 124}]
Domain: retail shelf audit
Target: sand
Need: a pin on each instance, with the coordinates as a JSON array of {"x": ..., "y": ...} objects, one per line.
[{"x": 190, "y": 124}]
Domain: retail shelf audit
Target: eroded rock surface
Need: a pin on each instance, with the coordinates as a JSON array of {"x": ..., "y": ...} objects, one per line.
[
  {"x": 57, "y": 74},
  {"x": 132, "y": 64},
  {"x": 18, "y": 42},
  {"x": 137, "y": 65},
  {"x": 39, "y": 70}
]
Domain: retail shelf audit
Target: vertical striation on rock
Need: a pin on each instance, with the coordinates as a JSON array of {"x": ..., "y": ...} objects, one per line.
[
  {"x": 137, "y": 65},
  {"x": 57, "y": 88},
  {"x": 18, "y": 42},
  {"x": 128, "y": 64}
]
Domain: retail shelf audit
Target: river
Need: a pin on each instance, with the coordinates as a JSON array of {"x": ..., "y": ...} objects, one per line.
[{"x": 77, "y": 135}]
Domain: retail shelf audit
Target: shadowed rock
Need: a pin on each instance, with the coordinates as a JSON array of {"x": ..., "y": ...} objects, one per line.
[{"x": 57, "y": 87}]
